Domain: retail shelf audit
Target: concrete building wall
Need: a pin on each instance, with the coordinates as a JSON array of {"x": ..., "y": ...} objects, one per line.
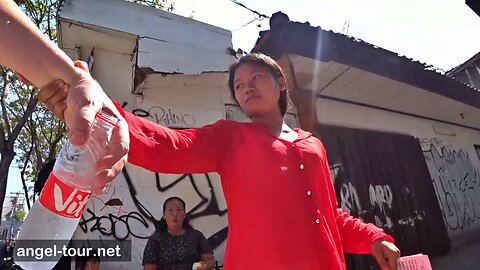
[
  {"x": 114, "y": 56},
  {"x": 167, "y": 42}
]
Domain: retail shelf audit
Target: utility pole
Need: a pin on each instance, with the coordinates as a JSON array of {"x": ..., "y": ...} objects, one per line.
[{"x": 13, "y": 215}]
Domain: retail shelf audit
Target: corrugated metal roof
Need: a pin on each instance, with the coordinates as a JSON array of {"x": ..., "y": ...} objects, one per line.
[
  {"x": 303, "y": 39},
  {"x": 464, "y": 65}
]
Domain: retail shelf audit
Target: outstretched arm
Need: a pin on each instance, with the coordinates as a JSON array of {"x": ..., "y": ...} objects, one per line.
[{"x": 27, "y": 51}]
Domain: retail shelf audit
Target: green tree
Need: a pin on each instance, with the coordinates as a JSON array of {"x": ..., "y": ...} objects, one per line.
[
  {"x": 159, "y": 4},
  {"x": 29, "y": 134},
  {"x": 20, "y": 215}
]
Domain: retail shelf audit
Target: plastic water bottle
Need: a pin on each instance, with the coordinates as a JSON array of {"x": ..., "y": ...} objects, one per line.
[{"x": 55, "y": 215}]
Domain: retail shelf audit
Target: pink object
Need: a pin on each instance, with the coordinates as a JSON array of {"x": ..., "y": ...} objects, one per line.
[{"x": 414, "y": 262}]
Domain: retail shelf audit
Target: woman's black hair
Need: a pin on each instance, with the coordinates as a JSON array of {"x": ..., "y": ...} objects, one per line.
[
  {"x": 81, "y": 261},
  {"x": 264, "y": 61},
  {"x": 162, "y": 225}
]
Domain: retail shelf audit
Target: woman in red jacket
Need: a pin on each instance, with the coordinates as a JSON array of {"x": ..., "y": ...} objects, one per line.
[{"x": 282, "y": 207}]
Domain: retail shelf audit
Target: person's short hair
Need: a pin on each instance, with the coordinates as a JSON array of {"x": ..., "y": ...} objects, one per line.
[{"x": 81, "y": 261}]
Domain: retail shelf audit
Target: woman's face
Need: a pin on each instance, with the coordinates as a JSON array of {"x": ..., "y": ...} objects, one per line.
[
  {"x": 256, "y": 90},
  {"x": 174, "y": 214}
]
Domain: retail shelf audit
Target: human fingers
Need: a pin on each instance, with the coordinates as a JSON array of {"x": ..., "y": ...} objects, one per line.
[
  {"x": 378, "y": 253},
  {"x": 84, "y": 101},
  {"x": 392, "y": 253},
  {"x": 109, "y": 166},
  {"x": 382, "y": 261},
  {"x": 57, "y": 103},
  {"x": 82, "y": 65},
  {"x": 53, "y": 96}
]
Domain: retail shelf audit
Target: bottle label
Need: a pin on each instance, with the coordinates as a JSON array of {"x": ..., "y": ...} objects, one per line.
[{"x": 66, "y": 200}]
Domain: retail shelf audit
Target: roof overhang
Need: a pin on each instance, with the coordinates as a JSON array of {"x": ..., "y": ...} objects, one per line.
[
  {"x": 167, "y": 42},
  {"x": 474, "y": 5},
  {"x": 73, "y": 34},
  {"x": 341, "y": 68}
]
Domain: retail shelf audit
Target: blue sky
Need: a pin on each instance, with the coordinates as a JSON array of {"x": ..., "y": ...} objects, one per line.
[{"x": 442, "y": 33}]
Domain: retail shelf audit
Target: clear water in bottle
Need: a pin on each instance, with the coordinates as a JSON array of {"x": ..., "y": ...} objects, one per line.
[{"x": 55, "y": 215}]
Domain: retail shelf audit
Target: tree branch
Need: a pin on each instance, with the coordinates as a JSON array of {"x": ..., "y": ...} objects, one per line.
[
  {"x": 6, "y": 120},
  {"x": 21, "y": 122},
  {"x": 2, "y": 94},
  {"x": 22, "y": 174},
  {"x": 36, "y": 146}
]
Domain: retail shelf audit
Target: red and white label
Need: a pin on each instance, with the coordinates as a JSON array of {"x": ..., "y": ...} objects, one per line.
[{"x": 66, "y": 200}]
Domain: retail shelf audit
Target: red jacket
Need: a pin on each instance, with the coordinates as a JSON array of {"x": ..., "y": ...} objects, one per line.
[{"x": 282, "y": 209}]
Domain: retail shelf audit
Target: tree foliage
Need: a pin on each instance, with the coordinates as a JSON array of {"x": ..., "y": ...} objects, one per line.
[
  {"x": 159, "y": 4},
  {"x": 20, "y": 215},
  {"x": 29, "y": 133}
]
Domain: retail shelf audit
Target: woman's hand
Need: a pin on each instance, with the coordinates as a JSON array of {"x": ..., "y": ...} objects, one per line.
[
  {"x": 386, "y": 254},
  {"x": 199, "y": 266},
  {"x": 77, "y": 104}
]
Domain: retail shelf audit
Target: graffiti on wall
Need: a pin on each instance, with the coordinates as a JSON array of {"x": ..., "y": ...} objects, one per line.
[
  {"x": 166, "y": 116},
  {"x": 121, "y": 224},
  {"x": 381, "y": 198},
  {"x": 388, "y": 176},
  {"x": 426, "y": 143},
  {"x": 121, "y": 212},
  {"x": 457, "y": 184},
  {"x": 349, "y": 198}
]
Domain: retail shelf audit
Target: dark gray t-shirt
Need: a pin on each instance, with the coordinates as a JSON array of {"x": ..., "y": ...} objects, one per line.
[{"x": 171, "y": 252}]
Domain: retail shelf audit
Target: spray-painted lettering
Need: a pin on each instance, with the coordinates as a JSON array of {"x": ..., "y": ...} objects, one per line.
[
  {"x": 381, "y": 196},
  {"x": 349, "y": 198},
  {"x": 457, "y": 184}
]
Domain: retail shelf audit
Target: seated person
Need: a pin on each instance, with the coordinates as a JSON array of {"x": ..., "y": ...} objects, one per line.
[
  {"x": 91, "y": 262},
  {"x": 176, "y": 245}
]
